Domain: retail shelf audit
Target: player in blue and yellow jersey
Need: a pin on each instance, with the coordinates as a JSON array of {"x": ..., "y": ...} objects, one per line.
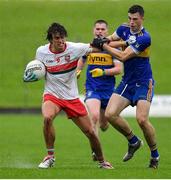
[
  {"x": 137, "y": 85},
  {"x": 100, "y": 83},
  {"x": 100, "y": 79}
]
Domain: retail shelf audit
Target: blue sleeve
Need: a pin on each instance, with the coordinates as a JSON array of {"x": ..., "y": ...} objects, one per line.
[
  {"x": 142, "y": 42},
  {"x": 119, "y": 31}
]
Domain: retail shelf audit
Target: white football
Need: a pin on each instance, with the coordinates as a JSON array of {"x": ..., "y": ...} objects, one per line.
[{"x": 37, "y": 67}]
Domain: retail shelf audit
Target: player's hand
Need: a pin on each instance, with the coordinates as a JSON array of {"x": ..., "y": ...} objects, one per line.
[
  {"x": 29, "y": 76},
  {"x": 106, "y": 40},
  {"x": 99, "y": 41},
  {"x": 97, "y": 72},
  {"x": 131, "y": 40},
  {"x": 78, "y": 72}
]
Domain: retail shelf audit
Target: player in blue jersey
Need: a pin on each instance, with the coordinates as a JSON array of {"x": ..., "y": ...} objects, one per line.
[
  {"x": 137, "y": 85},
  {"x": 100, "y": 78},
  {"x": 100, "y": 83}
]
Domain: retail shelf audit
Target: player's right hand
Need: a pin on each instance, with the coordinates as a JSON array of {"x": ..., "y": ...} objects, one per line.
[
  {"x": 29, "y": 76},
  {"x": 78, "y": 72},
  {"x": 97, "y": 72}
]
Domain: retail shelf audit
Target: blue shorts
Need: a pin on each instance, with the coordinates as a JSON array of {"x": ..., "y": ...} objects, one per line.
[
  {"x": 102, "y": 96},
  {"x": 136, "y": 91}
]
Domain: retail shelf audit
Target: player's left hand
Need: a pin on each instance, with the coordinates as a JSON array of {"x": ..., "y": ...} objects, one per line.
[
  {"x": 29, "y": 76},
  {"x": 97, "y": 72}
]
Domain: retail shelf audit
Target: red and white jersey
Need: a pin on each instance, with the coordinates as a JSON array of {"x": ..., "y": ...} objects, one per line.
[{"x": 61, "y": 80}]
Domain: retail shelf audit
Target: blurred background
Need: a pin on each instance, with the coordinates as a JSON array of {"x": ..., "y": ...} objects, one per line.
[{"x": 23, "y": 26}]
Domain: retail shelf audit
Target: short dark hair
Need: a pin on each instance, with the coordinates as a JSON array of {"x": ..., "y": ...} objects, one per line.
[
  {"x": 100, "y": 21},
  {"x": 56, "y": 28},
  {"x": 136, "y": 9}
]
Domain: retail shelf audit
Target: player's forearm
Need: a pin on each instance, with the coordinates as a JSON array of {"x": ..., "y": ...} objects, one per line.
[
  {"x": 113, "y": 71},
  {"x": 120, "y": 55},
  {"x": 80, "y": 64},
  {"x": 112, "y": 37},
  {"x": 117, "y": 44}
]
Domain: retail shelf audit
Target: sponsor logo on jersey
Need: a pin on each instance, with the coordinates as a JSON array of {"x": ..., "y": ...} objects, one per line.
[
  {"x": 49, "y": 61},
  {"x": 99, "y": 59}
]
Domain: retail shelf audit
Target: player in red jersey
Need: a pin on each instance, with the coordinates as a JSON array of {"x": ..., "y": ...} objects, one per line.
[{"x": 61, "y": 93}]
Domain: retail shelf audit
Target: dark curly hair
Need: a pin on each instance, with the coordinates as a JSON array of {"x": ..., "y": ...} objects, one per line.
[{"x": 56, "y": 28}]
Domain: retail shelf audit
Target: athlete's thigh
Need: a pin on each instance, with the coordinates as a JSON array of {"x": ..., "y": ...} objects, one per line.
[
  {"x": 93, "y": 106},
  {"x": 83, "y": 122},
  {"x": 142, "y": 110},
  {"x": 103, "y": 118},
  {"x": 50, "y": 109},
  {"x": 116, "y": 104}
]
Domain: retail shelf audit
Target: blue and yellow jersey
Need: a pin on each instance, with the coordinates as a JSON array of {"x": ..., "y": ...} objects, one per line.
[
  {"x": 99, "y": 60},
  {"x": 136, "y": 69}
]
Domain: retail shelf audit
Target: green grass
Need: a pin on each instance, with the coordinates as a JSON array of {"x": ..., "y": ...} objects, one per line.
[
  {"x": 22, "y": 148},
  {"x": 23, "y": 26}
]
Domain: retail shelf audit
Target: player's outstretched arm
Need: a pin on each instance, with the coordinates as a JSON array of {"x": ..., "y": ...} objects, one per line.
[
  {"x": 120, "y": 55},
  {"x": 117, "y": 44}
]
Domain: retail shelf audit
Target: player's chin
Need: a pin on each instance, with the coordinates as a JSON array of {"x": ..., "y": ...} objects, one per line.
[
  {"x": 133, "y": 28},
  {"x": 61, "y": 47}
]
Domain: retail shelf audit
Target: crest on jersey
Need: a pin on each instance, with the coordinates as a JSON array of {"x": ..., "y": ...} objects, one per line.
[
  {"x": 57, "y": 59},
  {"x": 67, "y": 58}
]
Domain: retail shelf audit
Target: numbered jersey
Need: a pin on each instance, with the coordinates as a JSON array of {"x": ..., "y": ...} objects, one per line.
[{"x": 61, "y": 76}]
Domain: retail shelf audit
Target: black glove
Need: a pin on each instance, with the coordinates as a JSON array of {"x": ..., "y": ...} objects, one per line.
[
  {"x": 98, "y": 42},
  {"x": 105, "y": 40}
]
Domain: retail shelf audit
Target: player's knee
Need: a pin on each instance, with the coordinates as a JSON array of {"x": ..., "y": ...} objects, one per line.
[
  {"x": 89, "y": 133},
  {"x": 109, "y": 114},
  {"x": 48, "y": 118},
  {"x": 142, "y": 121},
  {"x": 95, "y": 117}
]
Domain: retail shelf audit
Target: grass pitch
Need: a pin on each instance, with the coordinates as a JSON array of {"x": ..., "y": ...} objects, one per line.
[{"x": 22, "y": 148}]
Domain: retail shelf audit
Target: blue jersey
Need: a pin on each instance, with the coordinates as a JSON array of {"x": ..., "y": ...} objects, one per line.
[
  {"x": 136, "y": 69},
  {"x": 100, "y": 60}
]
